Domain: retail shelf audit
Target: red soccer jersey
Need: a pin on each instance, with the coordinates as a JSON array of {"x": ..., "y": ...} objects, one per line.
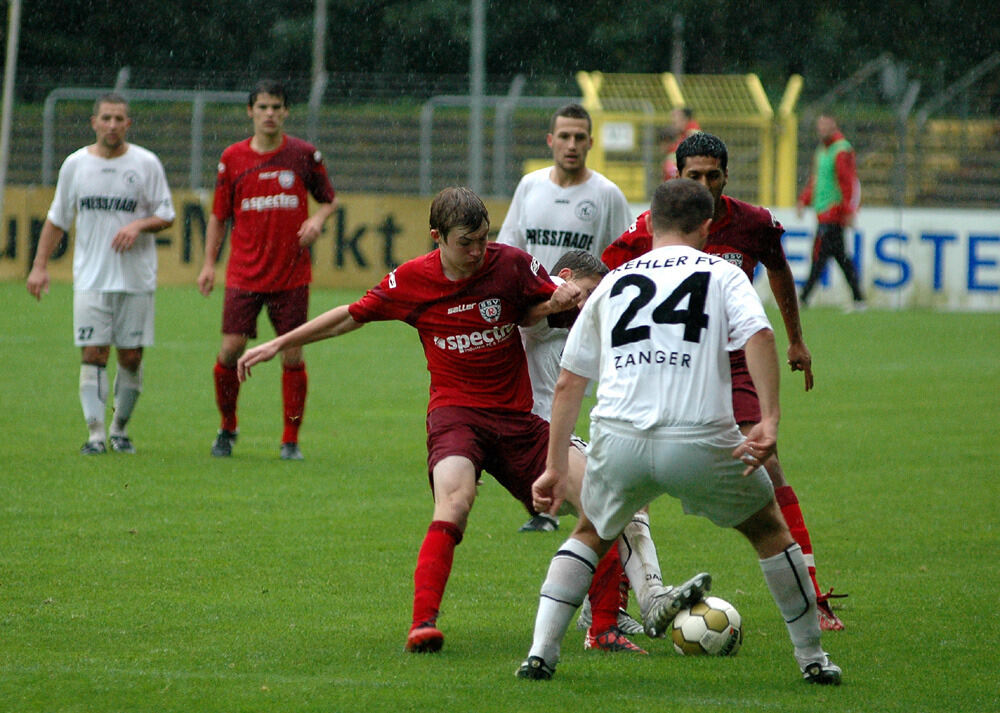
[
  {"x": 745, "y": 235},
  {"x": 468, "y": 328},
  {"x": 267, "y": 197}
]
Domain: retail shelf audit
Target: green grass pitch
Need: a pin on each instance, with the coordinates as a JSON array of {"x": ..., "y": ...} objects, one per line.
[{"x": 172, "y": 581}]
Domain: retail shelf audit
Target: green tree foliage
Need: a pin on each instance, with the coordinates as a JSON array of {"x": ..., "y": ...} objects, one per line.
[{"x": 937, "y": 39}]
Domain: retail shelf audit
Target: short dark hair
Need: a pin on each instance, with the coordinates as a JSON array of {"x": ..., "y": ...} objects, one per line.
[
  {"x": 457, "y": 207},
  {"x": 571, "y": 111},
  {"x": 110, "y": 98},
  {"x": 268, "y": 86},
  {"x": 702, "y": 144},
  {"x": 680, "y": 205},
  {"x": 581, "y": 263}
]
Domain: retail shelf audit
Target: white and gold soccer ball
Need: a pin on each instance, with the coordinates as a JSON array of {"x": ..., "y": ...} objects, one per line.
[{"x": 712, "y": 627}]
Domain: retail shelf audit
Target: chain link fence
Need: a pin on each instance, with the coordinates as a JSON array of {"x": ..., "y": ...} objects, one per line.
[{"x": 943, "y": 150}]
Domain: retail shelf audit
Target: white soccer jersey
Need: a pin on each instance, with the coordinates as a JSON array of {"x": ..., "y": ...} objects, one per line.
[
  {"x": 656, "y": 333},
  {"x": 104, "y": 195},
  {"x": 543, "y": 346},
  {"x": 547, "y": 220}
]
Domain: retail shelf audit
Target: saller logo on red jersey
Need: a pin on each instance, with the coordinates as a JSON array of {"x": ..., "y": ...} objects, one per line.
[
  {"x": 262, "y": 203},
  {"x": 475, "y": 340}
]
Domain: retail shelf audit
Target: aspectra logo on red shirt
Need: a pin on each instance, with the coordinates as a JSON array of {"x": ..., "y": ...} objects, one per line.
[{"x": 472, "y": 341}]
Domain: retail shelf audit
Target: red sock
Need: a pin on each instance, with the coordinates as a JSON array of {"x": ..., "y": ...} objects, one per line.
[
  {"x": 623, "y": 587},
  {"x": 293, "y": 397},
  {"x": 433, "y": 568},
  {"x": 605, "y": 593},
  {"x": 789, "y": 505},
  {"x": 227, "y": 391}
]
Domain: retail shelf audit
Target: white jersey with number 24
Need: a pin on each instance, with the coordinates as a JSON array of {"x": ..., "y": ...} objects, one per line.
[{"x": 656, "y": 333}]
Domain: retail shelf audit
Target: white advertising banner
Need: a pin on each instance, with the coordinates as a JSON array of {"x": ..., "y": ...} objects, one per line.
[
  {"x": 909, "y": 258},
  {"x": 945, "y": 259}
]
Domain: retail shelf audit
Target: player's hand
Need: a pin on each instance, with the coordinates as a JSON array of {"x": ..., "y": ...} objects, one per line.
[
  {"x": 206, "y": 280},
  {"x": 262, "y": 352},
  {"x": 799, "y": 359},
  {"x": 548, "y": 491},
  {"x": 125, "y": 238},
  {"x": 309, "y": 231},
  {"x": 760, "y": 444},
  {"x": 38, "y": 282},
  {"x": 566, "y": 296}
]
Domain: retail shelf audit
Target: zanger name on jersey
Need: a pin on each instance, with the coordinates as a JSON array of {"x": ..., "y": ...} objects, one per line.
[{"x": 653, "y": 356}]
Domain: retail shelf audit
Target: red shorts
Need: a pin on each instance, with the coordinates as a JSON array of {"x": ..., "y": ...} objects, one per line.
[
  {"x": 286, "y": 309},
  {"x": 508, "y": 445},
  {"x": 746, "y": 405}
]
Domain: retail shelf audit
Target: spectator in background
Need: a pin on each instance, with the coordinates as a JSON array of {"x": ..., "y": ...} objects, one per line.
[
  {"x": 119, "y": 197},
  {"x": 834, "y": 192},
  {"x": 682, "y": 125},
  {"x": 263, "y": 187}
]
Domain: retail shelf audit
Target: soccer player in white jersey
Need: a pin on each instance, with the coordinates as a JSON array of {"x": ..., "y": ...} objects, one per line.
[
  {"x": 566, "y": 206},
  {"x": 119, "y": 196},
  {"x": 656, "y": 334}
]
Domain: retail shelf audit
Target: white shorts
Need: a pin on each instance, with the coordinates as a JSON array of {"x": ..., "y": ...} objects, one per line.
[
  {"x": 627, "y": 469},
  {"x": 124, "y": 319}
]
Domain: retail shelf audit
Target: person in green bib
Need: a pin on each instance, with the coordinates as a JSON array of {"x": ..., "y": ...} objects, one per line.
[{"x": 834, "y": 192}]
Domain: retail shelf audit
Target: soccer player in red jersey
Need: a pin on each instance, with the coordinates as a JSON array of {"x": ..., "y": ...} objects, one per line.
[
  {"x": 263, "y": 187},
  {"x": 745, "y": 235},
  {"x": 466, "y": 299}
]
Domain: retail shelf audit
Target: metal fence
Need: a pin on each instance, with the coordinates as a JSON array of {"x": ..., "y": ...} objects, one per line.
[{"x": 942, "y": 151}]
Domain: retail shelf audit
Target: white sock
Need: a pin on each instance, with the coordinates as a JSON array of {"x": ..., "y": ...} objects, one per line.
[
  {"x": 94, "y": 399},
  {"x": 570, "y": 572},
  {"x": 638, "y": 555},
  {"x": 128, "y": 386},
  {"x": 787, "y": 577}
]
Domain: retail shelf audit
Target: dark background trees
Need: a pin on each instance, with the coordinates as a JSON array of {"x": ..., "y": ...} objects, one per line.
[{"x": 934, "y": 41}]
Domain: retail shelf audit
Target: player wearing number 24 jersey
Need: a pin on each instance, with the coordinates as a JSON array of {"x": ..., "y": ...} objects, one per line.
[
  {"x": 745, "y": 235},
  {"x": 655, "y": 335},
  {"x": 644, "y": 379}
]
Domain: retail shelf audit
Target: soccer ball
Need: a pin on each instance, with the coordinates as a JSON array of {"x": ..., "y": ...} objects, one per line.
[{"x": 712, "y": 627}]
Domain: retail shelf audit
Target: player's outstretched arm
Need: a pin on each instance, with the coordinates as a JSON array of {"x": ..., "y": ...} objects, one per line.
[
  {"x": 783, "y": 288},
  {"x": 549, "y": 491},
  {"x": 762, "y": 362},
  {"x": 333, "y": 323}
]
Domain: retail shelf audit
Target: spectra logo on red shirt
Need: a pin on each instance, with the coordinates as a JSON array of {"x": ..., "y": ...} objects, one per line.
[{"x": 475, "y": 340}]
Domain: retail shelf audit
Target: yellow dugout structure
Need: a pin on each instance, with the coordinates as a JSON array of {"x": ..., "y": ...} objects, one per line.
[{"x": 628, "y": 110}]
